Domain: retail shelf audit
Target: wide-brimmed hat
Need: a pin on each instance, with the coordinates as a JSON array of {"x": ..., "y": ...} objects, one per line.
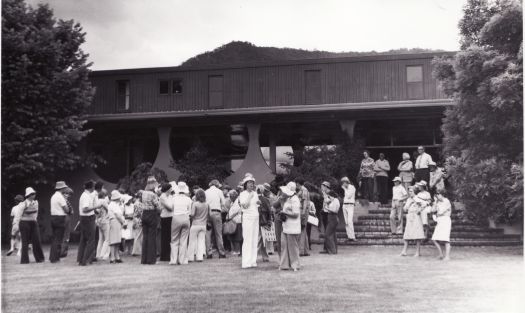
[
  {"x": 115, "y": 195},
  {"x": 397, "y": 178},
  {"x": 289, "y": 189},
  {"x": 326, "y": 184},
  {"x": 60, "y": 185},
  {"x": 345, "y": 180},
  {"x": 126, "y": 198},
  {"x": 248, "y": 177},
  {"x": 29, "y": 191},
  {"x": 182, "y": 187}
]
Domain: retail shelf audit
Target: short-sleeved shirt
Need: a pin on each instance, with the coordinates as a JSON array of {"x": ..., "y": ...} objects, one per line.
[
  {"x": 349, "y": 195},
  {"x": 58, "y": 202},
  {"x": 423, "y": 160},
  {"x": 399, "y": 193},
  {"x": 181, "y": 204},
  {"x": 215, "y": 198},
  {"x": 86, "y": 201},
  {"x": 199, "y": 213}
]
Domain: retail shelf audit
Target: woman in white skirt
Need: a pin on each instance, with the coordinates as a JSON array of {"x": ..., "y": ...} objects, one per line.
[
  {"x": 249, "y": 201},
  {"x": 116, "y": 220},
  {"x": 127, "y": 234},
  {"x": 414, "y": 227},
  {"x": 442, "y": 209}
]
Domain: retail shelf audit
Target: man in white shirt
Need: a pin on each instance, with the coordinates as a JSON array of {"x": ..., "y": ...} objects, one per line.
[
  {"x": 399, "y": 195},
  {"x": 59, "y": 210},
  {"x": 348, "y": 207},
  {"x": 86, "y": 211},
  {"x": 381, "y": 169},
  {"x": 422, "y": 162},
  {"x": 216, "y": 202}
]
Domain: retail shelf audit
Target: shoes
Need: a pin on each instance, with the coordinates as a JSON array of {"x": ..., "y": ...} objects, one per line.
[
  {"x": 112, "y": 262},
  {"x": 10, "y": 252},
  {"x": 118, "y": 261},
  {"x": 323, "y": 252},
  {"x": 82, "y": 264},
  {"x": 94, "y": 260},
  {"x": 222, "y": 256},
  {"x": 209, "y": 256},
  {"x": 266, "y": 260}
]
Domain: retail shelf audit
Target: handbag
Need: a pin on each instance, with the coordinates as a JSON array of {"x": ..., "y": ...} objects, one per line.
[{"x": 229, "y": 228}]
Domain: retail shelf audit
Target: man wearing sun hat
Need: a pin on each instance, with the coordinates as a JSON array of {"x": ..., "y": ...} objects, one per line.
[
  {"x": 399, "y": 195},
  {"x": 86, "y": 212},
  {"x": 59, "y": 210}
]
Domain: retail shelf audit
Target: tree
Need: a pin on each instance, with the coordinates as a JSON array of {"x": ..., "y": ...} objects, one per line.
[
  {"x": 45, "y": 94},
  {"x": 483, "y": 132},
  {"x": 199, "y": 166},
  {"x": 138, "y": 178}
]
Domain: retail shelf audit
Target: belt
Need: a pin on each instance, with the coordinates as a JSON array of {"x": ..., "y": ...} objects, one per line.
[
  {"x": 219, "y": 211},
  {"x": 349, "y": 203}
]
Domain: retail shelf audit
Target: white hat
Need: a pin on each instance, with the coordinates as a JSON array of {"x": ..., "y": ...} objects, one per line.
[
  {"x": 422, "y": 183},
  {"x": 432, "y": 163},
  {"x": 60, "y": 185},
  {"x": 345, "y": 179},
  {"x": 126, "y": 198},
  {"x": 182, "y": 187},
  {"x": 174, "y": 186},
  {"x": 289, "y": 189},
  {"x": 397, "y": 179},
  {"x": 29, "y": 191},
  {"x": 248, "y": 177},
  {"x": 115, "y": 195}
]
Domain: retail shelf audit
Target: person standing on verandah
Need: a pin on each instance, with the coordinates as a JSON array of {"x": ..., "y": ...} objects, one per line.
[
  {"x": 366, "y": 177},
  {"x": 399, "y": 195},
  {"x": 348, "y": 206},
  {"x": 291, "y": 228},
  {"x": 381, "y": 169},
  {"x": 422, "y": 162},
  {"x": 249, "y": 201},
  {"x": 406, "y": 171}
]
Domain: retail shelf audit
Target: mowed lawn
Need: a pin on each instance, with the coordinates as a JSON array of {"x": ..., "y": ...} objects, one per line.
[{"x": 358, "y": 279}]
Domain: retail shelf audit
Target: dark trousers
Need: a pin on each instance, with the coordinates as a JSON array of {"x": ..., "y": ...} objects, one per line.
[
  {"x": 149, "y": 237},
  {"x": 29, "y": 232},
  {"x": 67, "y": 232},
  {"x": 58, "y": 226},
  {"x": 165, "y": 238},
  {"x": 330, "y": 239},
  {"x": 422, "y": 174},
  {"x": 382, "y": 188},
  {"x": 308, "y": 233},
  {"x": 87, "y": 245},
  {"x": 278, "y": 233},
  {"x": 324, "y": 217},
  {"x": 367, "y": 188}
]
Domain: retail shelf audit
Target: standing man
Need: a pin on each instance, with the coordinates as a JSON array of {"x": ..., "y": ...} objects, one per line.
[
  {"x": 348, "y": 207},
  {"x": 68, "y": 192},
  {"x": 86, "y": 212},
  {"x": 422, "y": 162},
  {"x": 381, "y": 169},
  {"x": 216, "y": 202},
  {"x": 59, "y": 210},
  {"x": 399, "y": 195},
  {"x": 304, "y": 197}
]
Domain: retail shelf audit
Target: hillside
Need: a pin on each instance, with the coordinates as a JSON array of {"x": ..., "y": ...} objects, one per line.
[{"x": 241, "y": 52}]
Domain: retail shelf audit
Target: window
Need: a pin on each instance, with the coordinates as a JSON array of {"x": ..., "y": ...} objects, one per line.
[
  {"x": 122, "y": 95},
  {"x": 312, "y": 87},
  {"x": 164, "y": 87},
  {"x": 415, "y": 82},
  {"x": 215, "y": 87},
  {"x": 176, "y": 86}
]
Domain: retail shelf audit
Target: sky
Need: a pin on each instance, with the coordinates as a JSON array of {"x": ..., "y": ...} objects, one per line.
[{"x": 153, "y": 33}]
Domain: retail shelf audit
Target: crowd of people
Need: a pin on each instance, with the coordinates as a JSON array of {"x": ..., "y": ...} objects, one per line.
[{"x": 168, "y": 222}]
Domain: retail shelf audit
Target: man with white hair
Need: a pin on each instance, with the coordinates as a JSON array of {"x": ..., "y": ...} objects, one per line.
[{"x": 422, "y": 162}]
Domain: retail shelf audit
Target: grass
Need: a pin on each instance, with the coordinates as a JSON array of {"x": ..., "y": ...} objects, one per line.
[{"x": 358, "y": 279}]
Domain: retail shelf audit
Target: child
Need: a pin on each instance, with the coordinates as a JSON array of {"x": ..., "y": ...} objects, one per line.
[
  {"x": 443, "y": 209},
  {"x": 414, "y": 227},
  {"x": 116, "y": 220}
]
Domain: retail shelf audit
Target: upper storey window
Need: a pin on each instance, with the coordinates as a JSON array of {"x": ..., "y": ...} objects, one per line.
[
  {"x": 415, "y": 82},
  {"x": 164, "y": 87},
  {"x": 175, "y": 85},
  {"x": 123, "y": 95},
  {"x": 215, "y": 89},
  {"x": 312, "y": 87}
]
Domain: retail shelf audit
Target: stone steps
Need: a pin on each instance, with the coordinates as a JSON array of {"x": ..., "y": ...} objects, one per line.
[
  {"x": 399, "y": 242},
  {"x": 386, "y": 228}
]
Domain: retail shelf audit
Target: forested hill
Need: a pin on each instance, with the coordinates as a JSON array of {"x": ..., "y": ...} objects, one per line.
[{"x": 245, "y": 52}]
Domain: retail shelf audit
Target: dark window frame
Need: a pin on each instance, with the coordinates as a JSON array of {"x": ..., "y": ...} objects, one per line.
[
  {"x": 160, "y": 81},
  {"x": 126, "y": 95},
  {"x": 417, "y": 84}
]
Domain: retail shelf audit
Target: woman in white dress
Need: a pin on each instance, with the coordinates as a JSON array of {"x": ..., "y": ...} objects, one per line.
[
  {"x": 414, "y": 227},
  {"x": 127, "y": 234},
  {"x": 249, "y": 201},
  {"x": 442, "y": 209},
  {"x": 116, "y": 220},
  {"x": 291, "y": 228}
]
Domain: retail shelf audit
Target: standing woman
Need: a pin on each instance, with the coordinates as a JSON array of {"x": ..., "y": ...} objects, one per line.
[
  {"x": 414, "y": 227},
  {"x": 166, "y": 215},
  {"x": 116, "y": 221},
  {"x": 406, "y": 171},
  {"x": 366, "y": 175},
  {"x": 180, "y": 225},
  {"x": 291, "y": 228},
  {"x": 127, "y": 232},
  {"x": 199, "y": 219},
  {"x": 348, "y": 207},
  {"x": 150, "y": 218},
  {"x": 249, "y": 202},
  {"x": 234, "y": 214},
  {"x": 29, "y": 227},
  {"x": 443, "y": 209},
  {"x": 330, "y": 239},
  {"x": 137, "y": 224}
]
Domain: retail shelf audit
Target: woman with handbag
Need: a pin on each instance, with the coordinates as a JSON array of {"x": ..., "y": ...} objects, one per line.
[
  {"x": 199, "y": 217},
  {"x": 291, "y": 228},
  {"x": 233, "y": 225},
  {"x": 249, "y": 201}
]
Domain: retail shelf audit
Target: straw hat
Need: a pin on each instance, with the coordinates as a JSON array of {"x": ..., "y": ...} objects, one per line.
[
  {"x": 248, "y": 177},
  {"x": 29, "y": 191},
  {"x": 60, "y": 185},
  {"x": 182, "y": 187},
  {"x": 115, "y": 195},
  {"x": 289, "y": 189}
]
